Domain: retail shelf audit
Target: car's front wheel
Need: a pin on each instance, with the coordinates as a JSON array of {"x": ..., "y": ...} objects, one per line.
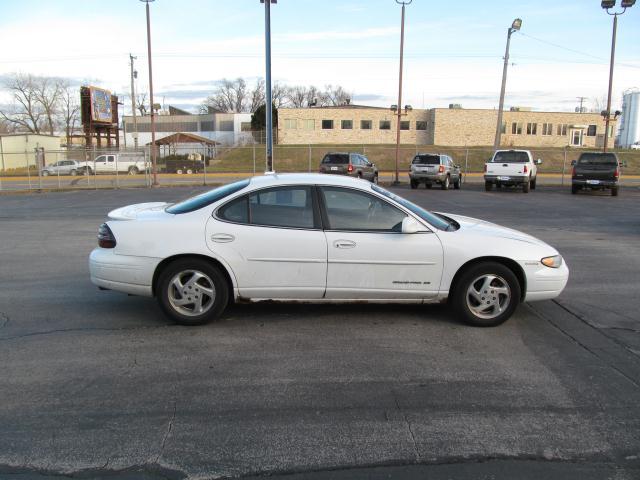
[
  {"x": 192, "y": 291},
  {"x": 413, "y": 184},
  {"x": 45, "y": 173},
  {"x": 486, "y": 294},
  {"x": 445, "y": 184}
]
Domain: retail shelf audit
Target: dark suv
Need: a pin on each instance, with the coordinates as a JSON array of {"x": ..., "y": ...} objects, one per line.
[
  {"x": 596, "y": 171},
  {"x": 352, "y": 164}
]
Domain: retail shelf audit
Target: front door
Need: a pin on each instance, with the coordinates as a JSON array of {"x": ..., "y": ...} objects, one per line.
[
  {"x": 273, "y": 242},
  {"x": 368, "y": 255}
]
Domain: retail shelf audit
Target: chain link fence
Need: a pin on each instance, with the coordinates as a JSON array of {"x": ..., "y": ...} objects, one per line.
[{"x": 198, "y": 164}]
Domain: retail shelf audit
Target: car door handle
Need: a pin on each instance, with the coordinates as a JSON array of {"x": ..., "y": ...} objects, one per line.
[
  {"x": 344, "y": 244},
  {"x": 222, "y": 238}
]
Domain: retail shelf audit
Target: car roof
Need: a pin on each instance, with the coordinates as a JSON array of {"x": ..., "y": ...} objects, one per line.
[{"x": 307, "y": 179}]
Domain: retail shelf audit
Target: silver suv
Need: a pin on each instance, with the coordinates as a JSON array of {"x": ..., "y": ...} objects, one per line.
[
  {"x": 430, "y": 168},
  {"x": 62, "y": 167}
]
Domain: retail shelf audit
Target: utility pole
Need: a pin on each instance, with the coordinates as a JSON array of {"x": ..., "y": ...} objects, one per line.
[
  {"x": 268, "y": 95},
  {"x": 515, "y": 26},
  {"x": 403, "y": 3},
  {"x": 134, "y": 74},
  {"x": 154, "y": 165},
  {"x": 582, "y": 99}
]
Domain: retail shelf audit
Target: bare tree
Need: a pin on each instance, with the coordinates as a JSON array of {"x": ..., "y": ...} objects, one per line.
[
  {"x": 279, "y": 95},
  {"x": 229, "y": 96},
  {"x": 69, "y": 108},
  {"x": 47, "y": 92},
  {"x": 26, "y": 112},
  {"x": 141, "y": 98},
  {"x": 298, "y": 96},
  {"x": 257, "y": 95},
  {"x": 336, "y": 95},
  {"x": 599, "y": 104}
]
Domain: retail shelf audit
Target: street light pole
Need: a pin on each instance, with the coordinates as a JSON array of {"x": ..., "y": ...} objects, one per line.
[
  {"x": 403, "y": 3},
  {"x": 515, "y": 26},
  {"x": 268, "y": 110},
  {"x": 153, "y": 118},
  {"x": 133, "y": 104}
]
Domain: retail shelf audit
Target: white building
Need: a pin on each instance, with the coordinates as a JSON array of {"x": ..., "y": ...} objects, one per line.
[
  {"x": 18, "y": 150},
  {"x": 225, "y": 128},
  {"x": 630, "y": 120}
]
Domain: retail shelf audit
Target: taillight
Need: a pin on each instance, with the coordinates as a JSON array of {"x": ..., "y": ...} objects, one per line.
[
  {"x": 105, "y": 237},
  {"x": 485, "y": 168},
  {"x": 616, "y": 174},
  {"x": 573, "y": 172},
  {"x": 350, "y": 168},
  {"x": 441, "y": 169},
  {"x": 525, "y": 169}
]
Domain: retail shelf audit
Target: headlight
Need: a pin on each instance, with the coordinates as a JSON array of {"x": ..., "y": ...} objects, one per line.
[{"x": 552, "y": 262}]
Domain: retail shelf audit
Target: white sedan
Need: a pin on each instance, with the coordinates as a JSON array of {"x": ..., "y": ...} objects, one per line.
[{"x": 318, "y": 238}]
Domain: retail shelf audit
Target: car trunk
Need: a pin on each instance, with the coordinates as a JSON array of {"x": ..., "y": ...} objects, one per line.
[
  {"x": 596, "y": 167},
  {"x": 426, "y": 163},
  {"x": 335, "y": 163}
]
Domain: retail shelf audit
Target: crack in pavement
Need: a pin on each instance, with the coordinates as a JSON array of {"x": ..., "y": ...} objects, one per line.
[
  {"x": 585, "y": 347},
  {"x": 4, "y": 319},
  {"x": 166, "y": 434},
  {"x": 406, "y": 420},
  {"x": 82, "y": 329}
]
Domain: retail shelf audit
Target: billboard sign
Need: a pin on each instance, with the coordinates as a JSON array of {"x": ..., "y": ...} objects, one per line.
[{"x": 101, "y": 105}]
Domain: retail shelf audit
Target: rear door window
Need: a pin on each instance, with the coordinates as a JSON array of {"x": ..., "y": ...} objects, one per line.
[
  {"x": 290, "y": 207},
  {"x": 336, "y": 159},
  {"x": 511, "y": 157},
  {"x": 426, "y": 160},
  {"x": 598, "y": 159}
]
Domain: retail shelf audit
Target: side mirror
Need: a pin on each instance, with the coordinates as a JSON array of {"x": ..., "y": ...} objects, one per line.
[
  {"x": 411, "y": 225},
  {"x": 623, "y": 163},
  {"x": 538, "y": 162},
  {"x": 573, "y": 163}
]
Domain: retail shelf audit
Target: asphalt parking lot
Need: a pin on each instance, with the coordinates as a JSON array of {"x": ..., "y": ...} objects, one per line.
[{"x": 98, "y": 384}]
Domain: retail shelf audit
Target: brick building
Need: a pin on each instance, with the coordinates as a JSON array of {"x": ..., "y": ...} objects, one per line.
[{"x": 356, "y": 124}]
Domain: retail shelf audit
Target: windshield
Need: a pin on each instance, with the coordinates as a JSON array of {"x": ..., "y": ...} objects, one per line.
[
  {"x": 437, "y": 221},
  {"x": 336, "y": 158},
  {"x": 207, "y": 198},
  {"x": 510, "y": 157},
  {"x": 426, "y": 160},
  {"x": 598, "y": 159}
]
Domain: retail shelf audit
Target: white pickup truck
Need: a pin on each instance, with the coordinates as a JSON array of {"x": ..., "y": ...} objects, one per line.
[
  {"x": 115, "y": 162},
  {"x": 511, "y": 168}
]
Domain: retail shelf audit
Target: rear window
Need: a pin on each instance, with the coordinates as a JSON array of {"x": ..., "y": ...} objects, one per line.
[
  {"x": 511, "y": 157},
  {"x": 336, "y": 158},
  {"x": 206, "y": 198},
  {"x": 426, "y": 160},
  {"x": 598, "y": 159}
]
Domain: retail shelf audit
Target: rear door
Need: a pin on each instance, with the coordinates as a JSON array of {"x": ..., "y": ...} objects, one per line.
[{"x": 274, "y": 243}]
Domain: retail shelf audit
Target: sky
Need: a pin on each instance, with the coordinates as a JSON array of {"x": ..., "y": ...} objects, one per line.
[{"x": 453, "y": 49}]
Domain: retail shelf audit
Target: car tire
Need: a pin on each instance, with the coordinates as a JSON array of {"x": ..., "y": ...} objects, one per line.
[
  {"x": 532, "y": 183},
  {"x": 179, "y": 171},
  {"x": 375, "y": 179},
  {"x": 133, "y": 170},
  {"x": 458, "y": 183},
  {"x": 445, "y": 185},
  {"x": 614, "y": 191},
  {"x": 73, "y": 172},
  {"x": 574, "y": 189},
  {"x": 202, "y": 282},
  {"x": 488, "y": 186},
  {"x": 489, "y": 282},
  {"x": 45, "y": 173},
  {"x": 413, "y": 184},
  {"x": 525, "y": 187},
  {"x": 428, "y": 185}
]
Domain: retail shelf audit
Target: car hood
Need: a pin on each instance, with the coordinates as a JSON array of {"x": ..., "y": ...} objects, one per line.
[
  {"x": 139, "y": 210},
  {"x": 488, "y": 229}
]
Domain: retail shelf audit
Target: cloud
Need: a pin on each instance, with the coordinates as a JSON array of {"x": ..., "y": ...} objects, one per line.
[{"x": 369, "y": 97}]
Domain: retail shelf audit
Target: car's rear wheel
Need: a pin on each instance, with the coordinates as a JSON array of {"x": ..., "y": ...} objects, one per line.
[
  {"x": 525, "y": 187},
  {"x": 575, "y": 189},
  {"x": 614, "y": 191},
  {"x": 486, "y": 294},
  {"x": 445, "y": 184},
  {"x": 375, "y": 179},
  {"x": 192, "y": 291},
  {"x": 428, "y": 185},
  {"x": 413, "y": 184},
  {"x": 133, "y": 170},
  {"x": 45, "y": 173},
  {"x": 458, "y": 183},
  {"x": 488, "y": 186},
  {"x": 73, "y": 172},
  {"x": 532, "y": 183}
]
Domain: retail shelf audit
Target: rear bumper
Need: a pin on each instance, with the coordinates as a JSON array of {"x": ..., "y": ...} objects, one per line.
[
  {"x": 506, "y": 179},
  {"x": 426, "y": 176},
  {"x": 123, "y": 273},
  {"x": 601, "y": 183}
]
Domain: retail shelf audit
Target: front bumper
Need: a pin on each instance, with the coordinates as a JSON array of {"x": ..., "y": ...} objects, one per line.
[
  {"x": 123, "y": 273},
  {"x": 544, "y": 283}
]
